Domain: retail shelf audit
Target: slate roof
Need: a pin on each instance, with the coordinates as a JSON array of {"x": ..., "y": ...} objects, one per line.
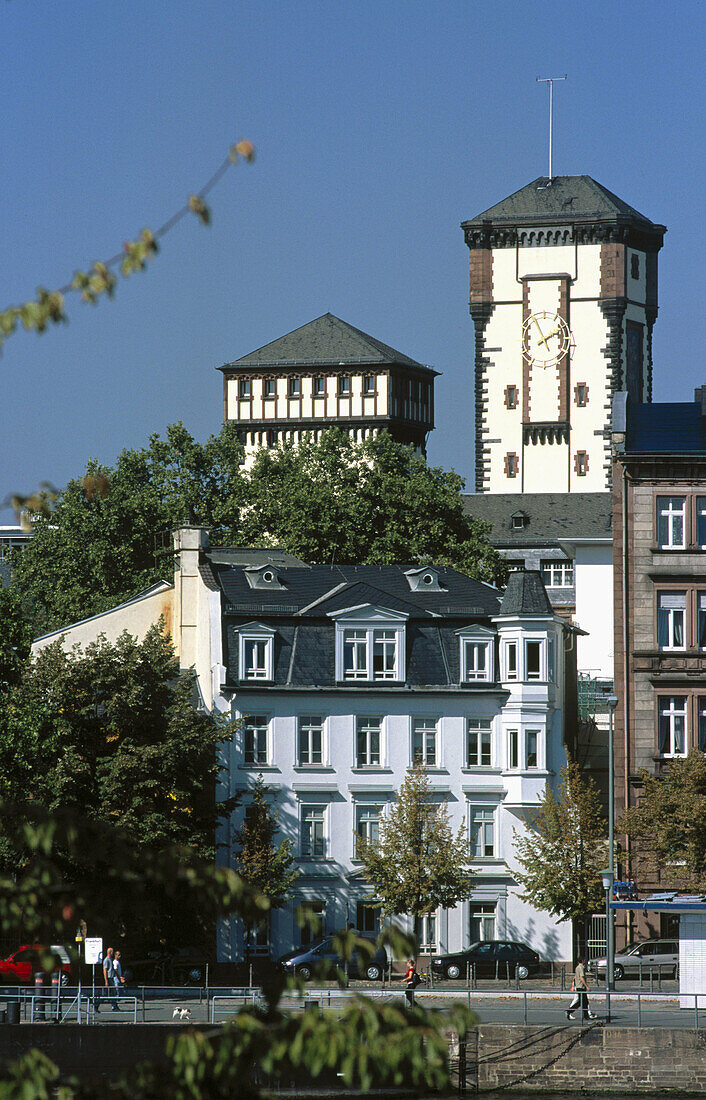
[
  {"x": 327, "y": 340},
  {"x": 304, "y": 632},
  {"x": 525, "y": 595},
  {"x": 550, "y": 516},
  {"x": 670, "y": 427},
  {"x": 566, "y": 197}
]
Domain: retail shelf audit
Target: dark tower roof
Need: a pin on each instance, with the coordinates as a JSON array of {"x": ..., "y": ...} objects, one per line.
[
  {"x": 564, "y": 198},
  {"x": 325, "y": 341},
  {"x": 525, "y": 595}
]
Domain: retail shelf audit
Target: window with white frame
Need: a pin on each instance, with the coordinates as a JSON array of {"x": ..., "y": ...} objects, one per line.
[
  {"x": 701, "y": 522},
  {"x": 355, "y": 654},
  {"x": 513, "y": 748},
  {"x": 671, "y": 614},
  {"x": 510, "y": 659},
  {"x": 368, "y": 741},
  {"x": 702, "y": 723},
  {"x": 367, "y": 825},
  {"x": 310, "y": 740},
  {"x": 385, "y": 655},
  {"x": 426, "y": 932},
  {"x": 532, "y": 748},
  {"x": 482, "y": 831},
  {"x": 255, "y": 739},
  {"x": 482, "y": 921},
  {"x": 533, "y": 660},
  {"x": 557, "y": 572},
  {"x": 370, "y": 652},
  {"x": 424, "y": 742},
  {"x": 256, "y": 650},
  {"x": 479, "y": 754},
  {"x": 476, "y": 658},
  {"x": 551, "y": 660},
  {"x": 702, "y": 619},
  {"x": 671, "y": 523},
  {"x": 672, "y": 725},
  {"x": 313, "y": 831}
]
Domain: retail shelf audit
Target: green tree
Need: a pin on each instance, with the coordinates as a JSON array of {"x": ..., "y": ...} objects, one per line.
[
  {"x": 668, "y": 826},
  {"x": 375, "y": 502},
  {"x": 111, "y": 733},
  {"x": 264, "y": 865},
  {"x": 100, "y": 544},
  {"x": 15, "y": 638},
  {"x": 418, "y": 864},
  {"x": 370, "y": 1044},
  {"x": 564, "y": 849}
]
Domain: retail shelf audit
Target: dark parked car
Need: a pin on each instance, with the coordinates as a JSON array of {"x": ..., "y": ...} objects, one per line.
[
  {"x": 308, "y": 961},
  {"x": 490, "y": 958}
]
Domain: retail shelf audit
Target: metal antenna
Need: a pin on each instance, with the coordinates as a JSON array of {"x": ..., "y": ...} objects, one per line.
[{"x": 550, "y": 81}]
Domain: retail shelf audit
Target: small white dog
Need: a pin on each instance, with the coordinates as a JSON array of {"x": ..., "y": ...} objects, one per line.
[{"x": 182, "y": 1013}]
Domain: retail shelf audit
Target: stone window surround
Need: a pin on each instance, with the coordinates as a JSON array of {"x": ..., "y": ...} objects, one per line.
[
  {"x": 695, "y": 595},
  {"x": 694, "y": 507}
]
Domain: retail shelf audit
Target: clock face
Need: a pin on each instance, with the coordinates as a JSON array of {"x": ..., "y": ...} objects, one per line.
[{"x": 545, "y": 338}]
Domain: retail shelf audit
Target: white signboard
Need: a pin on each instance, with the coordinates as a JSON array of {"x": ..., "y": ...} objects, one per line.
[{"x": 93, "y": 946}]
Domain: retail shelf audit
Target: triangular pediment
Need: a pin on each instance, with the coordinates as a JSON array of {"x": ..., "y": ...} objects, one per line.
[{"x": 366, "y": 613}]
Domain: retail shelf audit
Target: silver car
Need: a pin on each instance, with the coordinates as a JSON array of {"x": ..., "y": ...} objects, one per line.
[{"x": 651, "y": 956}]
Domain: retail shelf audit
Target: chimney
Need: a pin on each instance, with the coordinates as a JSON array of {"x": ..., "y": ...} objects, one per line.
[{"x": 188, "y": 544}]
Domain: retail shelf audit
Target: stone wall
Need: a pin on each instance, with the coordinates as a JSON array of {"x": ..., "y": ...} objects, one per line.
[{"x": 614, "y": 1059}]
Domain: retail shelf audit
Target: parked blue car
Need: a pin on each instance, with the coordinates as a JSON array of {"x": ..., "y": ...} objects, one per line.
[{"x": 306, "y": 962}]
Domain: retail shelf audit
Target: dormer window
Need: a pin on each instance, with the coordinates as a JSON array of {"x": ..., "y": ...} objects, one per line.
[
  {"x": 477, "y": 663},
  {"x": 370, "y": 645},
  {"x": 426, "y": 578},
  {"x": 256, "y": 652},
  {"x": 263, "y": 576},
  {"x": 519, "y": 520}
]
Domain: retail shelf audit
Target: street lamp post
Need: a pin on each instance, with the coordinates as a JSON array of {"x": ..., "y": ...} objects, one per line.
[
  {"x": 607, "y": 877},
  {"x": 612, "y": 703}
]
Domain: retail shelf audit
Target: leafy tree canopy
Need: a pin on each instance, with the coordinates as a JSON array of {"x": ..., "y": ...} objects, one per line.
[
  {"x": 668, "y": 825},
  {"x": 101, "y": 543},
  {"x": 374, "y": 502},
  {"x": 564, "y": 850},
  {"x": 266, "y": 866},
  {"x": 332, "y": 499},
  {"x": 418, "y": 864},
  {"x": 111, "y": 733}
]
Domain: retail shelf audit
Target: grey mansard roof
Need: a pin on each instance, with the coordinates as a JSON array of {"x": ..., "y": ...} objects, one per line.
[
  {"x": 564, "y": 198},
  {"x": 299, "y": 614},
  {"x": 326, "y": 341},
  {"x": 548, "y": 516}
]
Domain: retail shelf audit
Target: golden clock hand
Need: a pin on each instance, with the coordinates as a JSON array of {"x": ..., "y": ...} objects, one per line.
[
  {"x": 554, "y": 332},
  {"x": 541, "y": 334}
]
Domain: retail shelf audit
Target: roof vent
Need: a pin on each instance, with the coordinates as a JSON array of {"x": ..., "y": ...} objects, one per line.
[
  {"x": 263, "y": 576},
  {"x": 424, "y": 579}
]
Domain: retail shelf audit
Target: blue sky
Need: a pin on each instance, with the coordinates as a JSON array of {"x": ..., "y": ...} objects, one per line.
[{"x": 379, "y": 127}]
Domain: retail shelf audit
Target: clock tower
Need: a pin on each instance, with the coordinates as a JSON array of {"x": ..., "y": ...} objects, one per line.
[{"x": 563, "y": 296}]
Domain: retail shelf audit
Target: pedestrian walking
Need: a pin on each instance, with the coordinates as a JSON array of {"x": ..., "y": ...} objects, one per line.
[
  {"x": 118, "y": 978},
  {"x": 412, "y": 980},
  {"x": 108, "y": 980},
  {"x": 580, "y": 988}
]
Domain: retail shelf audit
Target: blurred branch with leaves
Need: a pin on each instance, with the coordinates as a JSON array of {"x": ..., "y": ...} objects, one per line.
[{"x": 48, "y": 307}]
